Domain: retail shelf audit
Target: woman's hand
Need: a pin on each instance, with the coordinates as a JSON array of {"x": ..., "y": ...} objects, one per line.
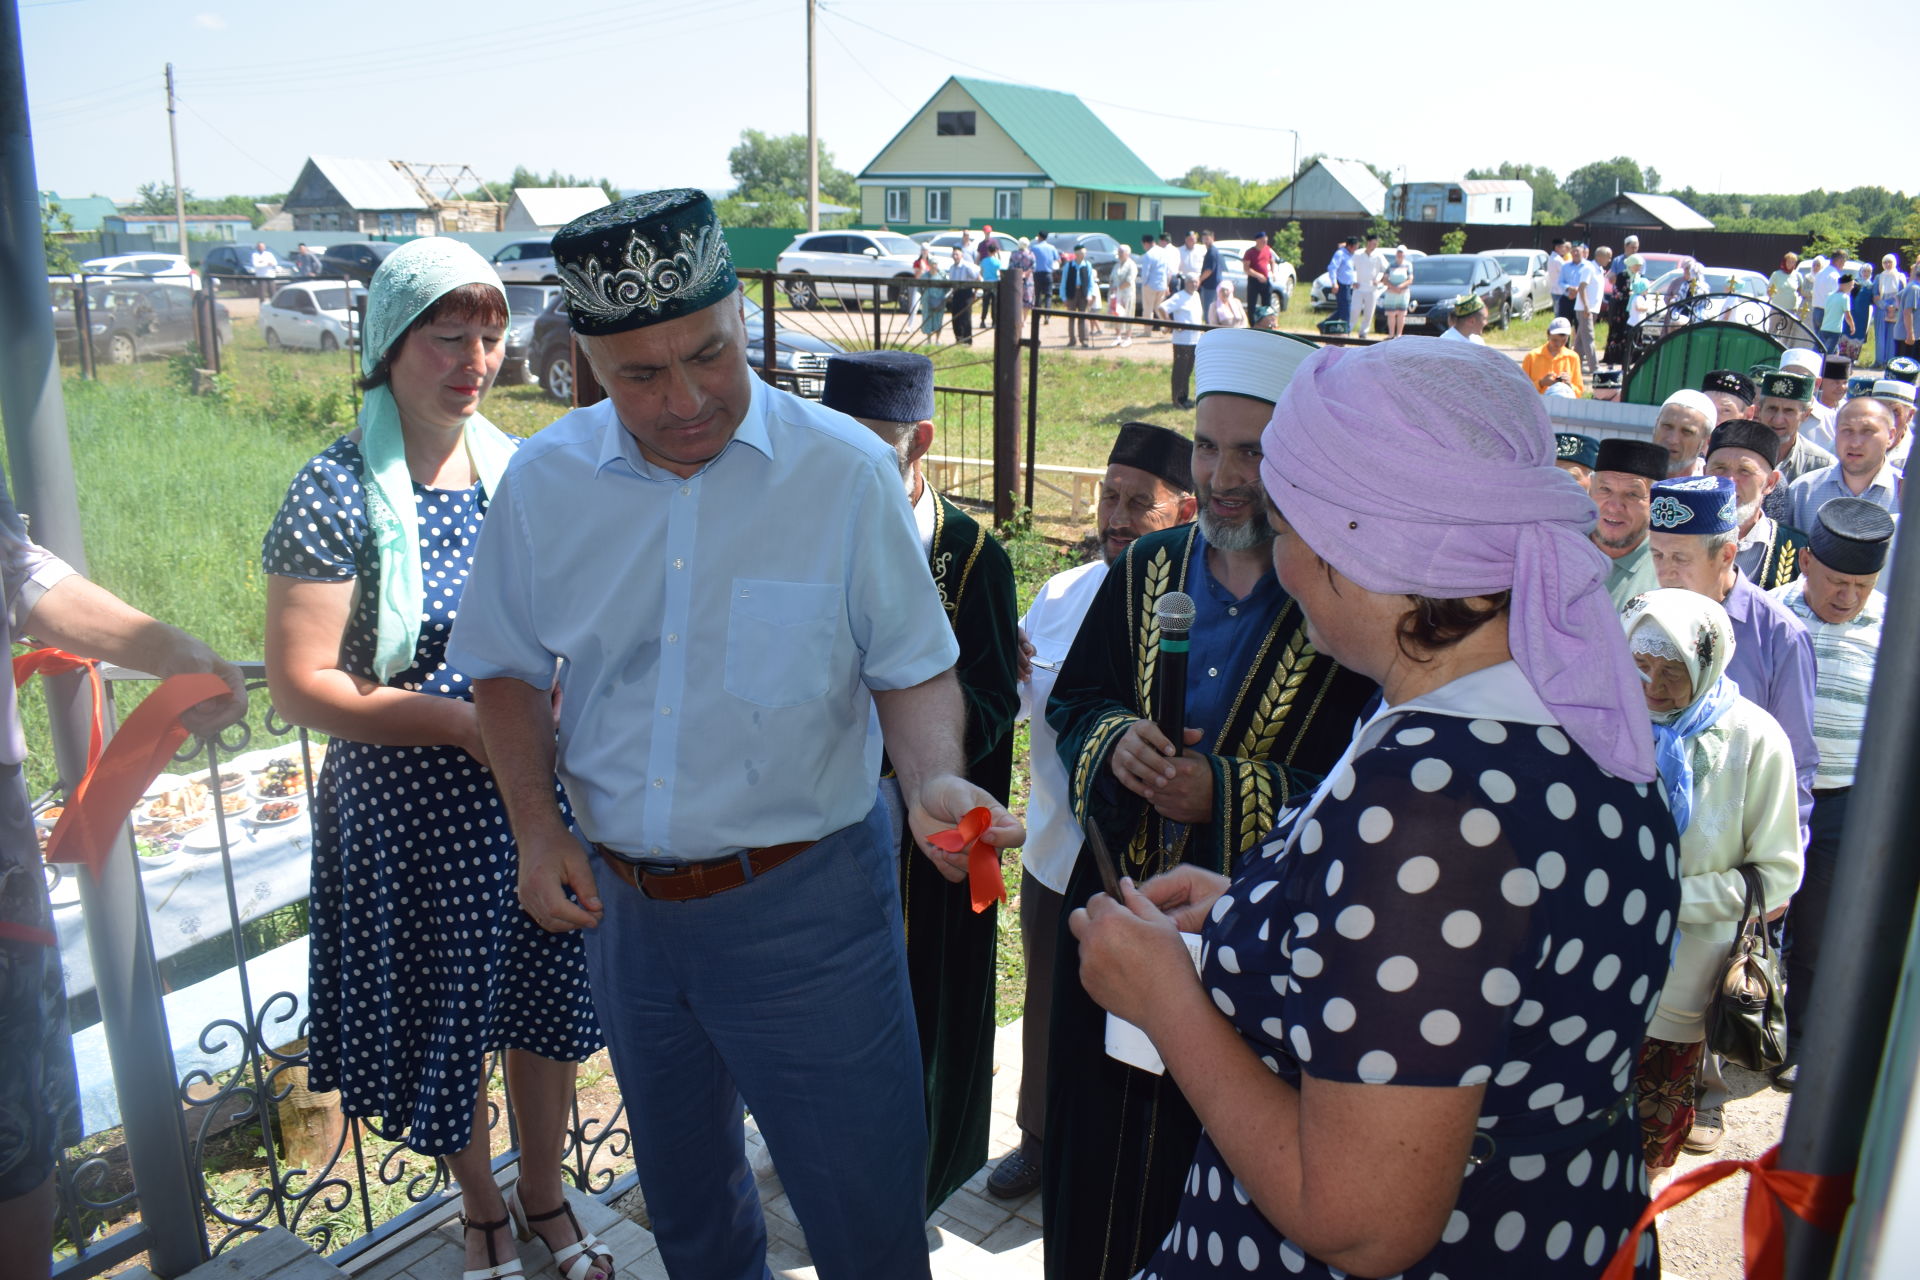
[
  {"x": 1185, "y": 894},
  {"x": 1133, "y": 961}
]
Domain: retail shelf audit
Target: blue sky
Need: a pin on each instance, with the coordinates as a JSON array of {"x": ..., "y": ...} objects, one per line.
[{"x": 654, "y": 93}]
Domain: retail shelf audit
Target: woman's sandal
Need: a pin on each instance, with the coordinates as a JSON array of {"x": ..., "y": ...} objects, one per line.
[
  {"x": 495, "y": 1269},
  {"x": 584, "y": 1259}
]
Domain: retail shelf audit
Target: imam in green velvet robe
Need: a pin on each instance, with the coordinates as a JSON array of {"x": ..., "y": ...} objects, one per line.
[
  {"x": 1775, "y": 562},
  {"x": 950, "y": 949},
  {"x": 1120, "y": 1141}
]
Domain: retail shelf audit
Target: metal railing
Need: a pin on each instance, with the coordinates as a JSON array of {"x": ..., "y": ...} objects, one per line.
[{"x": 216, "y": 1136}]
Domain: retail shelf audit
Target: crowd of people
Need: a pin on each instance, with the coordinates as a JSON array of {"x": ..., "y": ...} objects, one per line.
[{"x": 1457, "y": 783}]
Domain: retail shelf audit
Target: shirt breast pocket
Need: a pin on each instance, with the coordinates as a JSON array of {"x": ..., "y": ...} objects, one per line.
[{"x": 780, "y": 640}]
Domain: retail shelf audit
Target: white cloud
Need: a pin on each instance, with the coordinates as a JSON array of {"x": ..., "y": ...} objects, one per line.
[{"x": 210, "y": 21}]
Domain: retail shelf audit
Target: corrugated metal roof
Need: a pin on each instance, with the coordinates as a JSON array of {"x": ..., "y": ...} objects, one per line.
[
  {"x": 1661, "y": 211},
  {"x": 1351, "y": 175},
  {"x": 1492, "y": 186},
  {"x": 1068, "y": 143},
  {"x": 557, "y": 206},
  {"x": 368, "y": 184}
]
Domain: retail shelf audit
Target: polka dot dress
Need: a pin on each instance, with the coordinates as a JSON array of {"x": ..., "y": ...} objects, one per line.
[
  {"x": 422, "y": 961},
  {"x": 1473, "y": 903}
]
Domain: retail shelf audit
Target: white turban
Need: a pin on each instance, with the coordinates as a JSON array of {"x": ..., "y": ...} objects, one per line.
[{"x": 1256, "y": 363}]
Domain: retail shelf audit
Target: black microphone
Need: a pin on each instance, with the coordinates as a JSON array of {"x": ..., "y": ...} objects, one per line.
[{"x": 1173, "y": 612}]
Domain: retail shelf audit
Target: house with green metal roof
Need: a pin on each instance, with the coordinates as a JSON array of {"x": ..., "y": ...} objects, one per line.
[
  {"x": 86, "y": 212},
  {"x": 984, "y": 151}
]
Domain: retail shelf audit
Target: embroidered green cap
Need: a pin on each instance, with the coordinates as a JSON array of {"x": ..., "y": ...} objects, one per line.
[
  {"x": 647, "y": 259},
  {"x": 1786, "y": 384}
]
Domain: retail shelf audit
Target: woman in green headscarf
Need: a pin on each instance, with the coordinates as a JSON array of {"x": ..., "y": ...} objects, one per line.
[{"x": 422, "y": 962}]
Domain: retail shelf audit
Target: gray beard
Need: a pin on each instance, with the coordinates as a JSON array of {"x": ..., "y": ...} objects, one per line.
[{"x": 1251, "y": 536}]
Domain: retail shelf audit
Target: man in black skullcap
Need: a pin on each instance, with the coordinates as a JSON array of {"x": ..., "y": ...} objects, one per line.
[
  {"x": 1839, "y": 601},
  {"x": 721, "y": 658},
  {"x": 1624, "y": 473},
  {"x": 1732, "y": 393},
  {"x": 950, "y": 946},
  {"x": 1148, "y": 486},
  {"x": 1743, "y": 452},
  {"x": 1577, "y": 455},
  {"x": 1828, "y": 393}
]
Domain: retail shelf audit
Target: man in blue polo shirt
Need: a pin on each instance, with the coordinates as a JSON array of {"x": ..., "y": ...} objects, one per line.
[
  {"x": 1046, "y": 261},
  {"x": 1340, "y": 273}
]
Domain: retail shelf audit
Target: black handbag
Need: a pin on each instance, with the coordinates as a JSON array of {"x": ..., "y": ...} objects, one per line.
[{"x": 1747, "y": 1017}]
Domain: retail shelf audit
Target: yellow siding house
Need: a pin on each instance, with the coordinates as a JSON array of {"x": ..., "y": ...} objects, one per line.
[{"x": 983, "y": 151}]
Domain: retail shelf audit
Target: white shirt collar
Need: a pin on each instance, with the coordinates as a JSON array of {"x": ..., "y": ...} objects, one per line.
[{"x": 923, "y": 517}]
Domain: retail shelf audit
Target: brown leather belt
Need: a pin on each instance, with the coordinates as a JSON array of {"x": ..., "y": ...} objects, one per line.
[{"x": 700, "y": 879}]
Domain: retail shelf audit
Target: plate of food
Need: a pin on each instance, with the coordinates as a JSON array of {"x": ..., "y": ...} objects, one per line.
[
  {"x": 164, "y": 783},
  {"x": 153, "y": 854},
  {"x": 282, "y": 779},
  {"x": 235, "y": 803},
  {"x": 204, "y": 836},
  {"x": 275, "y": 813},
  {"x": 49, "y": 817},
  {"x": 232, "y": 780},
  {"x": 180, "y": 802}
]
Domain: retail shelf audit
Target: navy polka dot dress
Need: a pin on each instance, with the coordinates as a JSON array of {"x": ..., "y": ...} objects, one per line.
[
  {"x": 1474, "y": 902},
  {"x": 421, "y": 959}
]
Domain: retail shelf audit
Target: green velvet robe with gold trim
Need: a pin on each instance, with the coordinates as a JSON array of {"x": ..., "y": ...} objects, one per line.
[
  {"x": 1119, "y": 1141},
  {"x": 950, "y": 949},
  {"x": 1779, "y": 563}
]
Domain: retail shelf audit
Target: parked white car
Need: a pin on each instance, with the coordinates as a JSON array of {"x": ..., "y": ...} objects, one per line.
[
  {"x": 1320, "y": 293},
  {"x": 313, "y": 315},
  {"x": 873, "y": 255},
  {"x": 1532, "y": 291},
  {"x": 150, "y": 266},
  {"x": 526, "y": 262}
]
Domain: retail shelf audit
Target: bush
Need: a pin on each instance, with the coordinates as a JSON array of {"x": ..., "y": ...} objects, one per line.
[
  {"x": 1455, "y": 241},
  {"x": 1288, "y": 246}
]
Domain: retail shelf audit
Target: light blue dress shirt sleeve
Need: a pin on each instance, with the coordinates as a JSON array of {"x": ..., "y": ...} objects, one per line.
[{"x": 495, "y": 635}]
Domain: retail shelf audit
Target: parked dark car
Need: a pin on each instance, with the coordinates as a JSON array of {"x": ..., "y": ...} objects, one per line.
[
  {"x": 1440, "y": 279},
  {"x": 1102, "y": 250},
  {"x": 355, "y": 261},
  {"x": 798, "y": 354},
  {"x": 130, "y": 320},
  {"x": 237, "y": 260},
  {"x": 526, "y": 303}
]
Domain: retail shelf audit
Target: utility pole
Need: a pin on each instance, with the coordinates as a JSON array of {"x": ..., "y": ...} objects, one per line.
[
  {"x": 813, "y": 124},
  {"x": 173, "y": 139}
]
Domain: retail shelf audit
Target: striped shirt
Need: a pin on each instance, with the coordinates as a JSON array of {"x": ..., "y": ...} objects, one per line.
[{"x": 1843, "y": 655}]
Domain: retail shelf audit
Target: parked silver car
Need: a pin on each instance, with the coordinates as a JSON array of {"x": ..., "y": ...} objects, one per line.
[
  {"x": 313, "y": 315},
  {"x": 1532, "y": 291},
  {"x": 874, "y": 255}
]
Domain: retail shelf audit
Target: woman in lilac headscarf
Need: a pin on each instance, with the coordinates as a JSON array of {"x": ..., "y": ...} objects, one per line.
[{"x": 1413, "y": 1035}]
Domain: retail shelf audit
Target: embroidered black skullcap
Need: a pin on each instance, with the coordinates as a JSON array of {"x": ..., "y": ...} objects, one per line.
[
  {"x": 1743, "y": 433},
  {"x": 1571, "y": 446},
  {"x": 1835, "y": 368},
  {"x": 1731, "y": 382},
  {"x": 892, "y": 386},
  {"x": 1634, "y": 458},
  {"x": 1787, "y": 384},
  {"x": 1905, "y": 369},
  {"x": 1850, "y": 536},
  {"x": 644, "y": 260},
  {"x": 1156, "y": 450}
]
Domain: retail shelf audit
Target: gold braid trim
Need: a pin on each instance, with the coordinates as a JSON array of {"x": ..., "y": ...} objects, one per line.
[
  {"x": 1092, "y": 751},
  {"x": 1257, "y": 808},
  {"x": 1784, "y": 563},
  {"x": 1147, "y": 653}
]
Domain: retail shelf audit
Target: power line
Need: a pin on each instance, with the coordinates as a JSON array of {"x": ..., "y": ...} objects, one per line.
[
  {"x": 264, "y": 167},
  {"x": 863, "y": 66}
]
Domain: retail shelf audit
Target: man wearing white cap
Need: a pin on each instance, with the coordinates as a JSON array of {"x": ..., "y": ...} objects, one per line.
[
  {"x": 1900, "y": 396},
  {"x": 1686, "y": 420},
  {"x": 1552, "y": 362},
  {"x": 1259, "y": 703}
]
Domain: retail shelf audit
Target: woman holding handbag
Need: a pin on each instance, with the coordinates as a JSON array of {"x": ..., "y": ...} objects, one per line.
[{"x": 1727, "y": 769}]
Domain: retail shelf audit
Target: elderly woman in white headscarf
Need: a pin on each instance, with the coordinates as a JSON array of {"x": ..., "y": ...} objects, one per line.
[
  {"x": 422, "y": 963},
  {"x": 1727, "y": 769}
]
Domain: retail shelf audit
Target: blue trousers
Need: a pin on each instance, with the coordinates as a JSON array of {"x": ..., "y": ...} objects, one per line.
[
  {"x": 1343, "y": 302},
  {"x": 1885, "y": 336},
  {"x": 788, "y": 996}
]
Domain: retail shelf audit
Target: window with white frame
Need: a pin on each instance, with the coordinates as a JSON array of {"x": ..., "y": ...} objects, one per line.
[
  {"x": 899, "y": 204},
  {"x": 939, "y": 204},
  {"x": 1006, "y": 204},
  {"x": 1153, "y": 211},
  {"x": 1082, "y": 205}
]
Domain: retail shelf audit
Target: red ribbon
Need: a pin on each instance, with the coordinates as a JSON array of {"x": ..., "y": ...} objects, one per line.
[
  {"x": 1821, "y": 1199},
  {"x": 142, "y": 748},
  {"x": 983, "y": 860},
  {"x": 55, "y": 662}
]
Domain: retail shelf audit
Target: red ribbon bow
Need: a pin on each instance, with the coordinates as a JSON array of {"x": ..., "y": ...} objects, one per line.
[
  {"x": 56, "y": 662},
  {"x": 1820, "y": 1199},
  {"x": 983, "y": 860}
]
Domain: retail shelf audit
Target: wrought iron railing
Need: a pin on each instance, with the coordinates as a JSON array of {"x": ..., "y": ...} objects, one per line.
[{"x": 260, "y": 1151}]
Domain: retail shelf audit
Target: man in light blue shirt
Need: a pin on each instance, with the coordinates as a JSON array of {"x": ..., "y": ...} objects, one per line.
[
  {"x": 1340, "y": 273},
  {"x": 725, "y": 578},
  {"x": 1862, "y": 435}
]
